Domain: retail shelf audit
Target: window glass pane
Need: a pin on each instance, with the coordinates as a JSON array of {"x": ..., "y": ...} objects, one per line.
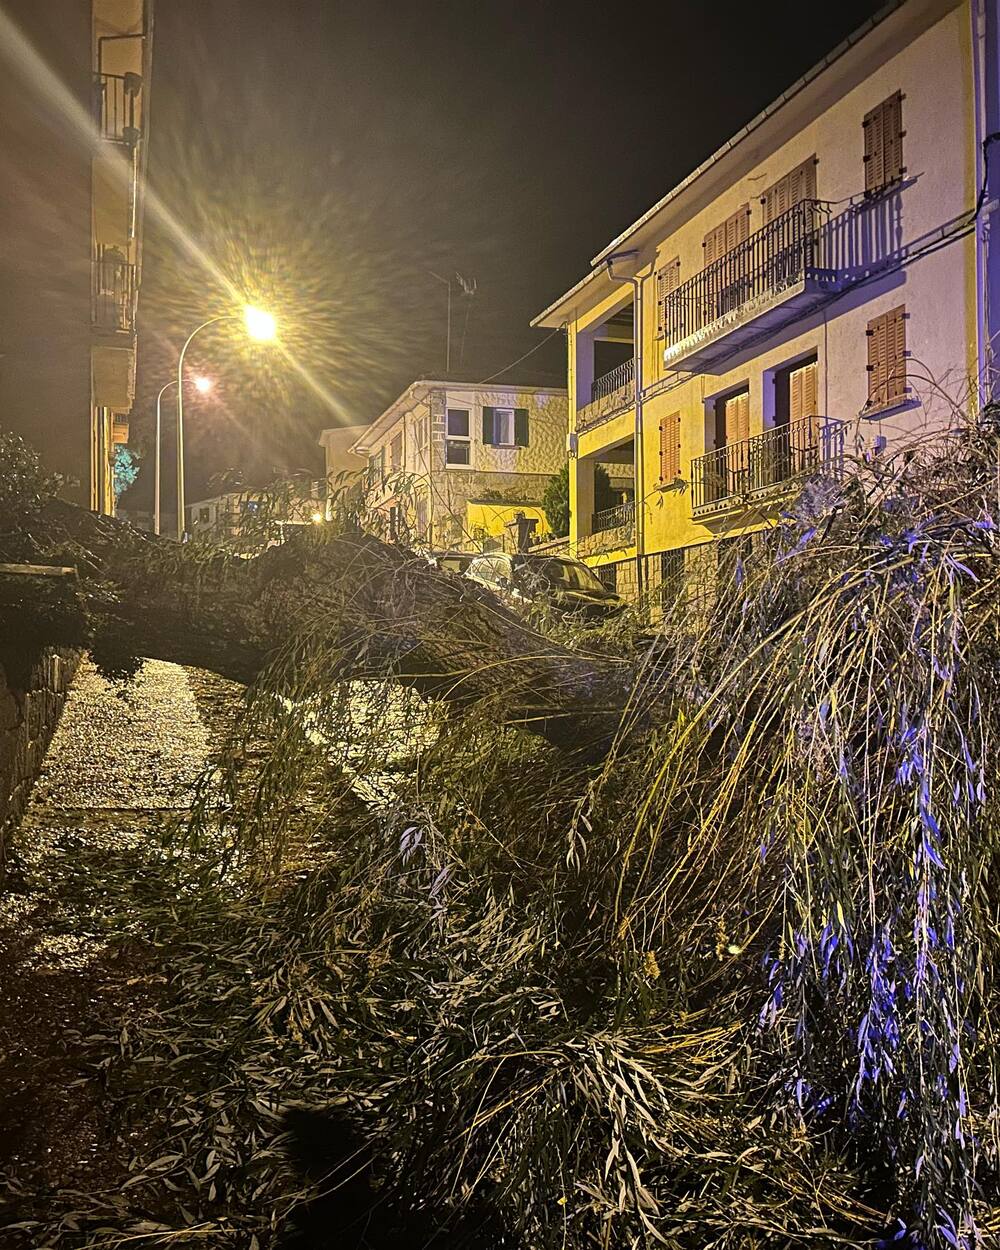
[
  {"x": 503, "y": 426},
  {"x": 458, "y": 423},
  {"x": 458, "y": 453}
]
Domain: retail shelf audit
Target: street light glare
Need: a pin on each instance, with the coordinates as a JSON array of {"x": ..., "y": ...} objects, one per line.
[
  {"x": 260, "y": 324},
  {"x": 203, "y": 385}
]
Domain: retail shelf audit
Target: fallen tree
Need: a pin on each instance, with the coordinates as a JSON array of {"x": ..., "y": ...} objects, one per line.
[
  {"x": 732, "y": 983},
  {"x": 372, "y": 610}
]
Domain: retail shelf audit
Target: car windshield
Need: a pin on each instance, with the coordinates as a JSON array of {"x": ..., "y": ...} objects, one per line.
[{"x": 564, "y": 575}]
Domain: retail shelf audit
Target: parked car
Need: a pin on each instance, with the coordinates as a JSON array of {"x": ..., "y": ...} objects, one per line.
[
  {"x": 564, "y": 584},
  {"x": 451, "y": 561}
]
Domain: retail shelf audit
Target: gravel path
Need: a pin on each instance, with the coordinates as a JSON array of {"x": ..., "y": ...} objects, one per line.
[{"x": 73, "y": 962}]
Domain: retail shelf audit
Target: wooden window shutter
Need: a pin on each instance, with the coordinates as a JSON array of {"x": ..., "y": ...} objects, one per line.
[
  {"x": 489, "y": 436},
  {"x": 715, "y": 244},
  {"x": 668, "y": 279},
  {"x": 892, "y": 137},
  {"x": 520, "y": 427},
  {"x": 729, "y": 234},
  {"x": 798, "y": 185},
  {"x": 887, "y": 358},
  {"x": 738, "y": 417},
  {"x": 803, "y": 392},
  {"x": 895, "y": 339},
  {"x": 670, "y": 447},
  {"x": 883, "y": 130}
]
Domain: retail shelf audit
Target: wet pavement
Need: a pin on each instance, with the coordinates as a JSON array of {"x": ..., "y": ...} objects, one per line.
[{"x": 74, "y": 961}]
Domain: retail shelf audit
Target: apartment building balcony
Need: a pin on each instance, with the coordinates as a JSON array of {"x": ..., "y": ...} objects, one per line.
[
  {"x": 117, "y": 107},
  {"x": 767, "y": 465},
  {"x": 774, "y": 275},
  {"x": 611, "y": 393},
  {"x": 114, "y": 292},
  {"x": 622, "y": 516},
  {"x": 612, "y": 529}
]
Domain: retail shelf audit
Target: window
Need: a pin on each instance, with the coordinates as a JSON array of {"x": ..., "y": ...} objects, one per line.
[
  {"x": 795, "y": 187},
  {"x": 670, "y": 447},
  {"x": 803, "y": 393},
  {"x": 422, "y": 433},
  {"x": 457, "y": 448},
  {"x": 458, "y": 423},
  {"x": 607, "y": 575},
  {"x": 505, "y": 427},
  {"x": 203, "y": 515},
  {"x": 376, "y": 468},
  {"x": 729, "y": 234},
  {"x": 883, "y": 129},
  {"x": 668, "y": 279},
  {"x": 396, "y": 453},
  {"x": 732, "y": 418},
  {"x": 887, "y": 359},
  {"x": 671, "y": 576},
  {"x": 796, "y": 392}
]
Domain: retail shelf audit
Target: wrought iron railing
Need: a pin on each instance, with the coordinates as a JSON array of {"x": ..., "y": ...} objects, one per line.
[
  {"x": 116, "y": 106},
  {"x": 114, "y": 291},
  {"x": 613, "y": 518},
  {"x": 766, "y": 460},
  {"x": 608, "y": 383},
  {"x": 783, "y": 252}
]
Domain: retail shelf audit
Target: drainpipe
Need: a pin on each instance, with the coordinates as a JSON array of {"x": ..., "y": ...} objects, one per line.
[{"x": 637, "y": 455}]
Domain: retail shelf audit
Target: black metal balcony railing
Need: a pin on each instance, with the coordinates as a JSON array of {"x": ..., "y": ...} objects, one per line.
[
  {"x": 116, "y": 106},
  {"x": 785, "y": 251},
  {"x": 114, "y": 292},
  {"x": 767, "y": 460},
  {"x": 613, "y": 518},
  {"x": 608, "y": 383}
]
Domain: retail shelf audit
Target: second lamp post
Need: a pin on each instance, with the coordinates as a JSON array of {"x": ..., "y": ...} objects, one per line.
[{"x": 260, "y": 325}]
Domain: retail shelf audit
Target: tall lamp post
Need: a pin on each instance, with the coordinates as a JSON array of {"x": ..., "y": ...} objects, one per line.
[
  {"x": 203, "y": 385},
  {"x": 259, "y": 325}
]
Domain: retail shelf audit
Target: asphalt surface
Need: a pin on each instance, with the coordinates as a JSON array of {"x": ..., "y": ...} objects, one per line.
[{"x": 73, "y": 959}]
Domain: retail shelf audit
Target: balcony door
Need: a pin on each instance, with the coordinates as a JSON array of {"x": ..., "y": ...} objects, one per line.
[
  {"x": 795, "y": 443},
  {"x": 732, "y": 432}
]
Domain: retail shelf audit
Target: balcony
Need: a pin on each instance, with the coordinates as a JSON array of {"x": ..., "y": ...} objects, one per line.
[
  {"x": 621, "y": 516},
  {"x": 114, "y": 291},
  {"x": 612, "y": 529},
  {"x": 763, "y": 283},
  {"x": 765, "y": 465},
  {"x": 612, "y": 392},
  {"x": 117, "y": 111}
]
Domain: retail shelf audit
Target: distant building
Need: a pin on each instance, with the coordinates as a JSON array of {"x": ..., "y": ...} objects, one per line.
[
  {"x": 255, "y": 518},
  {"x": 450, "y": 463},
  {"x": 74, "y": 113},
  {"x": 821, "y": 286},
  {"x": 343, "y": 466}
]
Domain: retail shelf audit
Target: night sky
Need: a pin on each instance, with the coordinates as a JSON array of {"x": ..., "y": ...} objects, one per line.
[{"x": 326, "y": 155}]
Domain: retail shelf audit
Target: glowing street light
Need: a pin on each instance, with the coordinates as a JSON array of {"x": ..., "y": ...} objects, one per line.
[
  {"x": 201, "y": 384},
  {"x": 260, "y": 325},
  {"x": 317, "y": 518}
]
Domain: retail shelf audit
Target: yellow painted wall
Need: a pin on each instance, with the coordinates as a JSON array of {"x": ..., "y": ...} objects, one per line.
[
  {"x": 930, "y": 62},
  {"x": 493, "y": 518}
]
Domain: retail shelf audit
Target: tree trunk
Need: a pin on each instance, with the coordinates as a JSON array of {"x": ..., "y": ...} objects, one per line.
[{"x": 335, "y": 607}]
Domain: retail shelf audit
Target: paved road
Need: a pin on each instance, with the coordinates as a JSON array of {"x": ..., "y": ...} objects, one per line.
[{"x": 121, "y": 762}]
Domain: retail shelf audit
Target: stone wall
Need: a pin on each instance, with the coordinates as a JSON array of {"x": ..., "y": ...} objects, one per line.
[{"x": 32, "y": 693}]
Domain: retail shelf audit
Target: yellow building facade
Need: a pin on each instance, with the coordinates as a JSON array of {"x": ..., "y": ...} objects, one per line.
[
  {"x": 813, "y": 292},
  {"x": 449, "y": 464},
  {"x": 122, "y": 45},
  {"x": 74, "y": 119}
]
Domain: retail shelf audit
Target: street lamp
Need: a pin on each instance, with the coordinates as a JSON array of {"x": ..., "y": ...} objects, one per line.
[
  {"x": 259, "y": 325},
  {"x": 203, "y": 386}
]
